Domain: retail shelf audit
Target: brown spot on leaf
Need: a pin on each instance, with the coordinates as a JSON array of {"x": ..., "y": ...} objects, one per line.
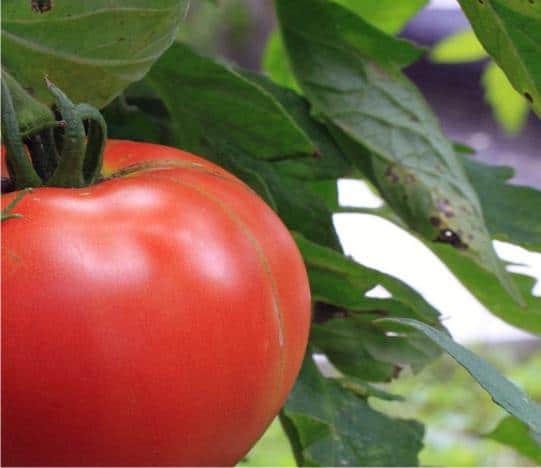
[
  {"x": 528, "y": 97},
  {"x": 435, "y": 221},
  {"x": 41, "y": 6},
  {"x": 448, "y": 236},
  {"x": 410, "y": 178},
  {"x": 396, "y": 372},
  {"x": 390, "y": 174},
  {"x": 444, "y": 206}
]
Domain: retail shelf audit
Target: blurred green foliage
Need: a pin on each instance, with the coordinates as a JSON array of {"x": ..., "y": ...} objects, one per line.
[
  {"x": 455, "y": 409},
  {"x": 509, "y": 107}
]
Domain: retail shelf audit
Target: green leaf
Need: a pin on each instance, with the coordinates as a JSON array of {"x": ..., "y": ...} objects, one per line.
[
  {"x": 460, "y": 47},
  {"x": 298, "y": 207},
  {"x": 328, "y": 161},
  {"x": 329, "y": 425},
  {"x": 514, "y": 433},
  {"x": 509, "y": 107},
  {"x": 358, "y": 38},
  {"x": 509, "y": 218},
  {"x": 344, "y": 316},
  {"x": 510, "y": 30},
  {"x": 490, "y": 293},
  {"x": 275, "y": 181},
  {"x": 337, "y": 279},
  {"x": 365, "y": 389},
  {"x": 91, "y": 50},
  {"x": 509, "y": 209},
  {"x": 210, "y": 101},
  {"x": 32, "y": 115},
  {"x": 388, "y": 15},
  {"x": 383, "y": 123},
  {"x": 503, "y": 392}
]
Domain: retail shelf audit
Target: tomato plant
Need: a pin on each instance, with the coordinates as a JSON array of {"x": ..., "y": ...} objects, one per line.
[
  {"x": 155, "y": 310},
  {"x": 156, "y": 317}
]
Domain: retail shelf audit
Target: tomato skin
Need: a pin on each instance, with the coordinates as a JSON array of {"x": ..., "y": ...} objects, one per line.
[{"x": 158, "y": 318}]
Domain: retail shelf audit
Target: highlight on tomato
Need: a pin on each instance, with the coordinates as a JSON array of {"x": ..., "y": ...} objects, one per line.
[{"x": 155, "y": 310}]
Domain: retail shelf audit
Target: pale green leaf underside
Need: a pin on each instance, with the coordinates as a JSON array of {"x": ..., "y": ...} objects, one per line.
[
  {"x": 91, "y": 50},
  {"x": 375, "y": 106},
  {"x": 510, "y": 30},
  {"x": 502, "y": 391}
]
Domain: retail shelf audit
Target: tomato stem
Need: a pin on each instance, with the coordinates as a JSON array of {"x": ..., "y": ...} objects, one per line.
[
  {"x": 82, "y": 154},
  {"x": 34, "y": 144},
  {"x": 20, "y": 167},
  {"x": 51, "y": 156},
  {"x": 96, "y": 138},
  {"x": 65, "y": 155},
  {"x": 69, "y": 172}
]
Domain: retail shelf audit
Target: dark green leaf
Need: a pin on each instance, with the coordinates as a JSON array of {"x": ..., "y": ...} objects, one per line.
[
  {"x": 503, "y": 392},
  {"x": 32, "y": 115},
  {"x": 331, "y": 426},
  {"x": 514, "y": 433},
  {"x": 374, "y": 106},
  {"x": 297, "y": 206},
  {"x": 207, "y": 100},
  {"x": 510, "y": 30},
  {"x": 343, "y": 317},
  {"x": 339, "y": 280},
  {"x": 510, "y": 210},
  {"x": 91, "y": 50},
  {"x": 328, "y": 161}
]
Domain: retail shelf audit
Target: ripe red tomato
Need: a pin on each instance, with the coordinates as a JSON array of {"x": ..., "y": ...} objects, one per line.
[{"x": 155, "y": 318}]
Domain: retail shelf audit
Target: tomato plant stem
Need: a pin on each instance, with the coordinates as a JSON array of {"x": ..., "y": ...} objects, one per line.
[
  {"x": 96, "y": 138},
  {"x": 19, "y": 165},
  {"x": 51, "y": 156},
  {"x": 81, "y": 156},
  {"x": 69, "y": 172}
]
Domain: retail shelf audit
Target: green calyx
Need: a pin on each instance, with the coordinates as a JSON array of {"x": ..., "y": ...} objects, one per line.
[{"x": 68, "y": 154}]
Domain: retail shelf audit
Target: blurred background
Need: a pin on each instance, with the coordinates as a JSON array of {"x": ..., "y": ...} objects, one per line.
[{"x": 476, "y": 106}]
